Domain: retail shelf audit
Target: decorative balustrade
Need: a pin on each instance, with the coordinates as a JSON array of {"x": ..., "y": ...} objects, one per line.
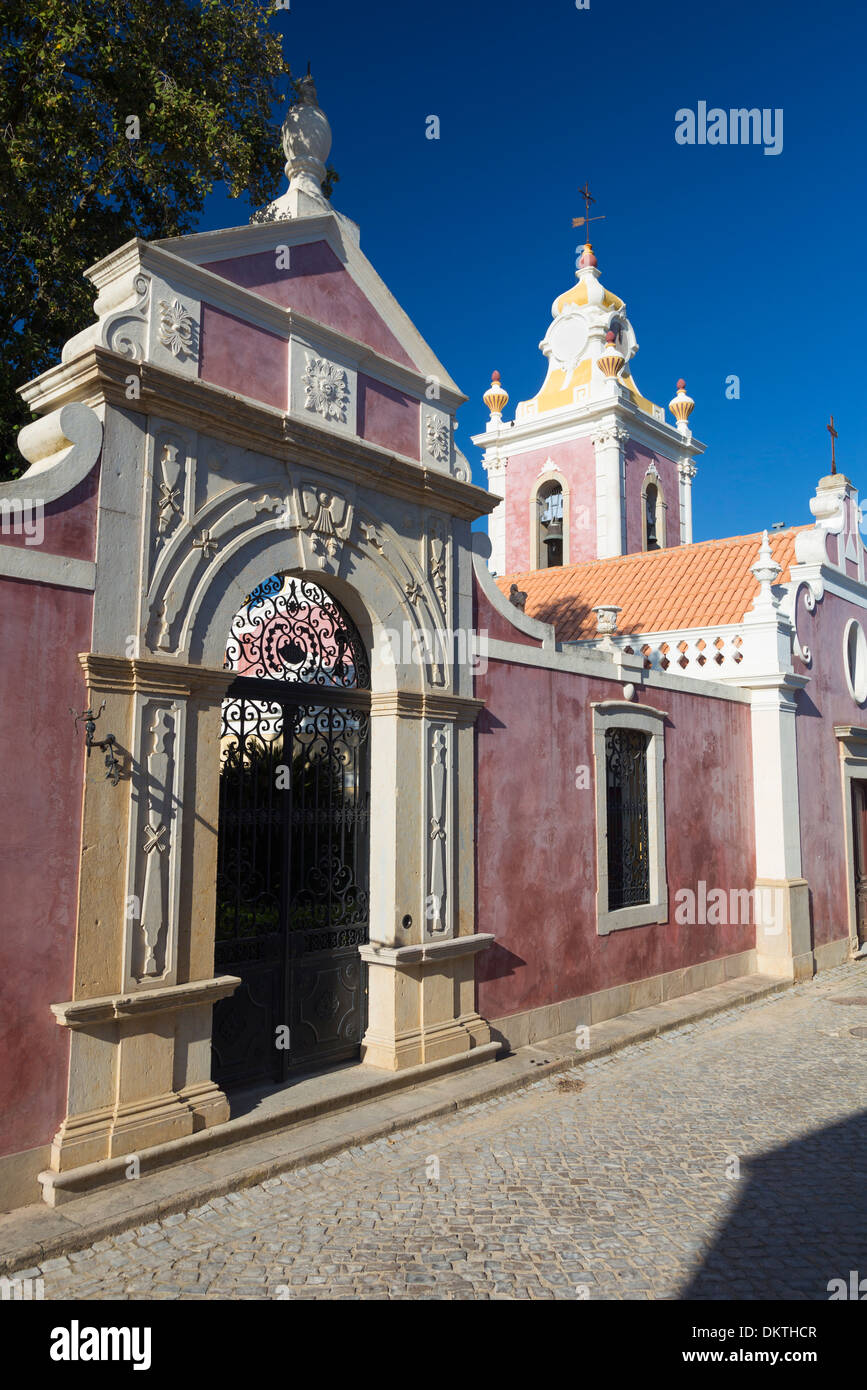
[
  {"x": 708, "y": 653},
  {"x": 711, "y": 656}
]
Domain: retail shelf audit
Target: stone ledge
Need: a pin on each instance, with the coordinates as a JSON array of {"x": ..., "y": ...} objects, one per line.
[
  {"x": 84, "y": 1013},
  {"x": 36, "y": 1233},
  {"x": 398, "y": 956},
  {"x": 280, "y": 1112}
]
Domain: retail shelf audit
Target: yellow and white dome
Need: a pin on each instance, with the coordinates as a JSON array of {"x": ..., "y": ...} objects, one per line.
[{"x": 582, "y": 360}]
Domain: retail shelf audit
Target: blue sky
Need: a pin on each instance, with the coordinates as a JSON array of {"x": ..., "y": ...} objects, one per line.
[{"x": 730, "y": 261}]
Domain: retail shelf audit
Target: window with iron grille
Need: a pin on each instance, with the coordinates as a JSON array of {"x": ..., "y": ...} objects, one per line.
[
  {"x": 628, "y": 820},
  {"x": 629, "y": 757}
]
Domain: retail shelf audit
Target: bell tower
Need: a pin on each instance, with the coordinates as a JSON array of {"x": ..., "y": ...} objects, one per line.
[{"x": 589, "y": 468}]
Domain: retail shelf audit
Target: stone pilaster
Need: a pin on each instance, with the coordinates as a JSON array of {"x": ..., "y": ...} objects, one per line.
[
  {"x": 422, "y": 949},
  {"x": 143, "y": 989},
  {"x": 495, "y": 465},
  {"x": 686, "y": 471},
  {"x": 608, "y": 444}
]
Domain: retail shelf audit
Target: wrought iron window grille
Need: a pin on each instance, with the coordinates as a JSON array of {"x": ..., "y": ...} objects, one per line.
[{"x": 628, "y": 818}]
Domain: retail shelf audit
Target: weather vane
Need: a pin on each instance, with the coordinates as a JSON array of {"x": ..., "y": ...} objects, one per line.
[
  {"x": 587, "y": 219},
  {"x": 833, "y": 434}
]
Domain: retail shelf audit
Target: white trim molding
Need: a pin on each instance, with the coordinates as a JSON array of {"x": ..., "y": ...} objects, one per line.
[
  {"x": 620, "y": 714},
  {"x": 852, "y": 743},
  {"x": 38, "y": 567},
  {"x": 855, "y": 660}
]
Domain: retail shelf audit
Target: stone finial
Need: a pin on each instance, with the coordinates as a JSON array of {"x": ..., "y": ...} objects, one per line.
[
  {"x": 682, "y": 407},
  {"x": 766, "y": 571},
  {"x": 610, "y": 362},
  {"x": 606, "y": 618},
  {"x": 496, "y": 398},
  {"x": 306, "y": 142},
  {"x": 306, "y": 138}
]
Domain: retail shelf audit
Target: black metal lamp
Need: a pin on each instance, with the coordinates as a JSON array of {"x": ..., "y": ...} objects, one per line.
[{"x": 109, "y": 743}]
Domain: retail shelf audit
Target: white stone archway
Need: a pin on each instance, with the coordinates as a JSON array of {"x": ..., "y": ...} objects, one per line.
[{"x": 207, "y": 515}]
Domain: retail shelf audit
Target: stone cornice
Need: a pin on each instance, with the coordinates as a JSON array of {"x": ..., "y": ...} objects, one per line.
[
  {"x": 580, "y": 421},
  {"x": 851, "y": 733},
  {"x": 110, "y": 1008},
  {"x": 151, "y": 676},
  {"x": 98, "y": 376},
  {"x": 427, "y": 952},
  {"x": 615, "y": 707},
  {"x": 411, "y": 704},
  {"x": 156, "y": 676}
]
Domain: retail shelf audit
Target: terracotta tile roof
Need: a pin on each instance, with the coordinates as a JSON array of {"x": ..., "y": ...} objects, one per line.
[{"x": 701, "y": 585}]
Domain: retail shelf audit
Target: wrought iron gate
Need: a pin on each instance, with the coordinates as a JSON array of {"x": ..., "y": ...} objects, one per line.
[{"x": 292, "y": 885}]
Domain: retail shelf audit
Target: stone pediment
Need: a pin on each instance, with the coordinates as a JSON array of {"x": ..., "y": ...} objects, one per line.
[
  {"x": 288, "y": 314},
  {"x": 314, "y": 266}
]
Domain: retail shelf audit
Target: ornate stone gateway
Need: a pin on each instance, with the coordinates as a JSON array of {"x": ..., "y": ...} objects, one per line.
[{"x": 292, "y": 871}]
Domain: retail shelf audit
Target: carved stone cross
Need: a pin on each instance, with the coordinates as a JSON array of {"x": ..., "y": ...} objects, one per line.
[
  {"x": 154, "y": 839},
  {"x": 167, "y": 503},
  {"x": 206, "y": 544}
]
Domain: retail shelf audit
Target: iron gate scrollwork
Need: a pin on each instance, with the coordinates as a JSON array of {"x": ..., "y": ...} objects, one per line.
[
  {"x": 628, "y": 821},
  {"x": 292, "y": 871}
]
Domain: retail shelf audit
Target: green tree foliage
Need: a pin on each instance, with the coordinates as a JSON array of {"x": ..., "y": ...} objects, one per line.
[{"x": 200, "y": 76}]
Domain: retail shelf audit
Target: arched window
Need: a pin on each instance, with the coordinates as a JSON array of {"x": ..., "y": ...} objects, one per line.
[
  {"x": 651, "y": 502},
  {"x": 652, "y": 514},
  {"x": 290, "y": 629},
  {"x": 550, "y": 503}
]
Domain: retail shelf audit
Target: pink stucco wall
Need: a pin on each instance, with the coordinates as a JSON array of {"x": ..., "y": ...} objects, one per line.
[
  {"x": 575, "y": 460},
  {"x": 317, "y": 285},
  {"x": 822, "y": 704},
  {"x": 243, "y": 358},
  {"x": 388, "y": 417},
  {"x": 638, "y": 459},
  {"x": 69, "y": 524},
  {"x": 536, "y": 835},
  {"x": 40, "y": 827}
]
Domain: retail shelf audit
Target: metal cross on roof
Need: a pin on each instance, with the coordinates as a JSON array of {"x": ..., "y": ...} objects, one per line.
[
  {"x": 587, "y": 219},
  {"x": 833, "y": 434}
]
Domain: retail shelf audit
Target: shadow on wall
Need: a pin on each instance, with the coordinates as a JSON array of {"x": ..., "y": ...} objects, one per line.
[
  {"x": 800, "y": 1221},
  {"x": 498, "y": 962},
  {"x": 488, "y": 723}
]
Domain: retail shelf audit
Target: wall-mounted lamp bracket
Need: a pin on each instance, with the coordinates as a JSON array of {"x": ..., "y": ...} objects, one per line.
[{"x": 109, "y": 743}]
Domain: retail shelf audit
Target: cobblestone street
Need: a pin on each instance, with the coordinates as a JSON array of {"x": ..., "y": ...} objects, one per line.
[{"x": 618, "y": 1179}]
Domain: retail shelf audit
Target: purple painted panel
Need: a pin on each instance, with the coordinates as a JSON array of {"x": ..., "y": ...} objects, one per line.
[
  {"x": 243, "y": 358},
  {"x": 388, "y": 417},
  {"x": 319, "y": 286},
  {"x": 68, "y": 525},
  {"x": 40, "y": 829}
]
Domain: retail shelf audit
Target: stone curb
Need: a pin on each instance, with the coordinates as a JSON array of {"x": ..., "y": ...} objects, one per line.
[{"x": 48, "y": 1232}]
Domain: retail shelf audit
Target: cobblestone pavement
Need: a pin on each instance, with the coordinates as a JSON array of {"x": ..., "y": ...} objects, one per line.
[{"x": 618, "y": 1179}]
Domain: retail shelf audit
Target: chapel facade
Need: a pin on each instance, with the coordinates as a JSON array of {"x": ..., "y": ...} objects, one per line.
[{"x": 327, "y": 777}]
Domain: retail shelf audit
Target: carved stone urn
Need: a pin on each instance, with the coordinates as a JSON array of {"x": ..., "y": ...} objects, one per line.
[{"x": 306, "y": 142}]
